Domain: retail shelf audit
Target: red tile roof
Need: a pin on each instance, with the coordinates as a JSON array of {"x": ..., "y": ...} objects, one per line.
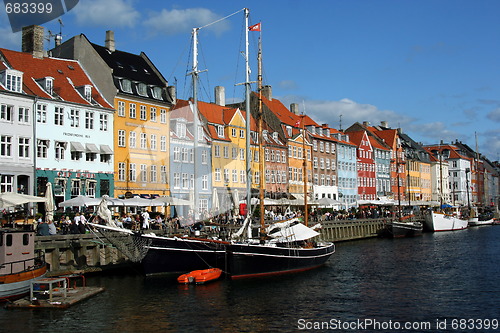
[
  {"x": 67, "y": 74},
  {"x": 286, "y": 116}
]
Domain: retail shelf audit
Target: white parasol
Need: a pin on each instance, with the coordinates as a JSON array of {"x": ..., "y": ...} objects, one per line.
[
  {"x": 11, "y": 199},
  {"x": 49, "y": 204}
]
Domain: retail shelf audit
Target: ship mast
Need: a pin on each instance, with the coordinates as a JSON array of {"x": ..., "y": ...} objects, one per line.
[
  {"x": 304, "y": 170},
  {"x": 262, "y": 178}
]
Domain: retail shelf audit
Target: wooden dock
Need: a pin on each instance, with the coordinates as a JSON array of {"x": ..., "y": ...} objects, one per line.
[{"x": 59, "y": 300}]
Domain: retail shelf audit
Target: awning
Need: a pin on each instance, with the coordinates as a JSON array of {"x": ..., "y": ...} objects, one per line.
[
  {"x": 92, "y": 148},
  {"x": 106, "y": 150},
  {"x": 77, "y": 146}
]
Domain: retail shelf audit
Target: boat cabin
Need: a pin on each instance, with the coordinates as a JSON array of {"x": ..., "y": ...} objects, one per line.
[{"x": 17, "y": 250}]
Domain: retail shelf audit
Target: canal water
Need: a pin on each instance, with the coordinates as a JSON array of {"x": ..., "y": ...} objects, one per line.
[{"x": 442, "y": 282}]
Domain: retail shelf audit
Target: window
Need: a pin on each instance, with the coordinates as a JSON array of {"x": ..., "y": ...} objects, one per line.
[
  {"x": 5, "y": 146},
  {"x": 226, "y": 152},
  {"x": 143, "y": 113},
  {"x": 216, "y": 150},
  {"x": 256, "y": 176},
  {"x": 163, "y": 116},
  {"x": 233, "y": 132},
  {"x": 89, "y": 120},
  {"x": 144, "y": 141},
  {"x": 185, "y": 180},
  {"x": 217, "y": 174},
  {"x": 24, "y": 115},
  {"x": 90, "y": 157},
  {"x": 177, "y": 180},
  {"x": 24, "y": 147},
  {"x": 142, "y": 89},
  {"x": 6, "y": 183},
  {"x": 121, "y": 109},
  {"x": 59, "y": 116},
  {"x": 220, "y": 131},
  {"x": 42, "y": 148},
  {"x": 6, "y": 112},
  {"x": 242, "y": 134},
  {"x": 41, "y": 113},
  {"x": 191, "y": 181},
  {"x": 121, "y": 171},
  {"x": 126, "y": 85},
  {"x": 132, "y": 113},
  {"x": 163, "y": 174},
  {"x": 204, "y": 182},
  {"x": 88, "y": 92},
  {"x": 152, "y": 174},
  {"x": 132, "y": 175},
  {"x": 177, "y": 154},
  {"x": 13, "y": 81},
  {"x": 226, "y": 175},
  {"x": 180, "y": 129},
  {"x": 75, "y": 187},
  {"x": 185, "y": 155},
  {"x": 74, "y": 118},
  {"x": 156, "y": 92},
  {"x": 243, "y": 177},
  {"x": 204, "y": 156},
  {"x": 144, "y": 173},
  {"x": 103, "y": 122},
  {"x": 235, "y": 176},
  {"x": 152, "y": 114},
  {"x": 121, "y": 138},
  {"x": 132, "y": 139},
  {"x": 163, "y": 143},
  {"x": 234, "y": 153},
  {"x": 153, "y": 141},
  {"x": 242, "y": 154}
]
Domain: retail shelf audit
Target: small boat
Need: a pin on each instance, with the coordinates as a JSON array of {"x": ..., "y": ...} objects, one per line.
[
  {"x": 19, "y": 265},
  {"x": 200, "y": 276},
  {"x": 440, "y": 221},
  {"x": 400, "y": 229}
]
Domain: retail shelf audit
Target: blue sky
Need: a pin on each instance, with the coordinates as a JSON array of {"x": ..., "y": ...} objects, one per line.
[{"x": 430, "y": 67}]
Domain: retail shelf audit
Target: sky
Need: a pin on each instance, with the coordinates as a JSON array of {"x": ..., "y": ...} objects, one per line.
[{"x": 429, "y": 67}]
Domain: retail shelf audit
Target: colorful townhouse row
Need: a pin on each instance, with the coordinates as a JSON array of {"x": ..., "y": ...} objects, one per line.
[{"x": 95, "y": 121}]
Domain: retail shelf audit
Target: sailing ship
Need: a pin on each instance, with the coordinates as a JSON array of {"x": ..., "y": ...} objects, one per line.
[
  {"x": 19, "y": 265},
  {"x": 285, "y": 247}
]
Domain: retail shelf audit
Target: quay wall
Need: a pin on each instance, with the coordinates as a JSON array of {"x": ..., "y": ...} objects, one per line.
[{"x": 85, "y": 253}]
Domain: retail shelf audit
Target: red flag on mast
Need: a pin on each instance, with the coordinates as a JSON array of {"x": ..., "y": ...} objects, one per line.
[{"x": 255, "y": 27}]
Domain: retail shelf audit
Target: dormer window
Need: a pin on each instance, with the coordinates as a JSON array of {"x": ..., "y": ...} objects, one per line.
[
  {"x": 12, "y": 80},
  {"x": 142, "y": 89},
  {"x": 126, "y": 85},
  {"x": 156, "y": 92},
  {"x": 47, "y": 84},
  {"x": 275, "y": 136},
  {"x": 181, "y": 129},
  {"x": 289, "y": 130},
  {"x": 87, "y": 92},
  {"x": 220, "y": 131}
]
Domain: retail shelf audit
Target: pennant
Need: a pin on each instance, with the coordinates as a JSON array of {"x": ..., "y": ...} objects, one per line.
[{"x": 255, "y": 27}]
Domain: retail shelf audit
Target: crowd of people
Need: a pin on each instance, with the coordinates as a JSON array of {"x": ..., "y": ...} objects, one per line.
[{"x": 156, "y": 221}]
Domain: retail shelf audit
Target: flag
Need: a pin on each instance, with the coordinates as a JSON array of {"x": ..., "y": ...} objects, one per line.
[
  {"x": 297, "y": 123},
  {"x": 255, "y": 27}
]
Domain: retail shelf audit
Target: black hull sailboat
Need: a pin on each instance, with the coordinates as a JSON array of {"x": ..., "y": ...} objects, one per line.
[{"x": 284, "y": 247}]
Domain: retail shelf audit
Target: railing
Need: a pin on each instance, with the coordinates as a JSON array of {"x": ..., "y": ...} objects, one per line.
[{"x": 26, "y": 264}]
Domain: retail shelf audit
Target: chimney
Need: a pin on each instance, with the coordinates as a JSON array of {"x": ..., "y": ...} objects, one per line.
[
  {"x": 384, "y": 124},
  {"x": 32, "y": 40},
  {"x": 294, "y": 107},
  {"x": 267, "y": 92},
  {"x": 220, "y": 96},
  {"x": 366, "y": 123},
  {"x": 109, "y": 43}
]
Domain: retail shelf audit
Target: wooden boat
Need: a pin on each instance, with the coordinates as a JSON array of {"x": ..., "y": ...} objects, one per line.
[
  {"x": 18, "y": 264},
  {"x": 200, "y": 276}
]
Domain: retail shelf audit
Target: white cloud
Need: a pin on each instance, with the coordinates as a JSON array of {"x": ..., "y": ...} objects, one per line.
[
  {"x": 108, "y": 13},
  {"x": 329, "y": 112},
  {"x": 170, "y": 22},
  {"x": 494, "y": 115},
  {"x": 288, "y": 85}
]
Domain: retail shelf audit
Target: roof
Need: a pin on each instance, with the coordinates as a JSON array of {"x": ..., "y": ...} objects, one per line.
[
  {"x": 68, "y": 75},
  {"x": 131, "y": 66},
  {"x": 286, "y": 116}
]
